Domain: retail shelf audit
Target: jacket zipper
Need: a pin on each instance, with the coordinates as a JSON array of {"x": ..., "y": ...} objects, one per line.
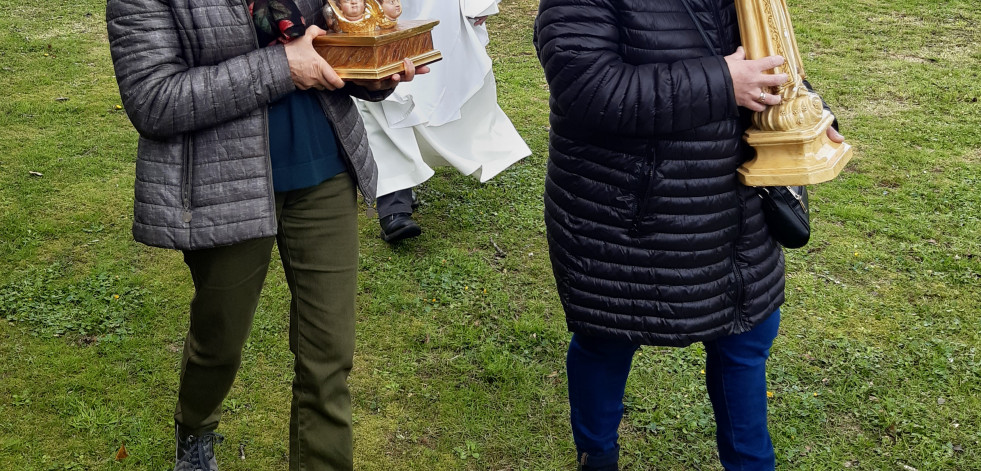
[
  {"x": 343, "y": 148},
  {"x": 188, "y": 174},
  {"x": 738, "y": 298},
  {"x": 645, "y": 195},
  {"x": 735, "y": 266},
  {"x": 718, "y": 28},
  {"x": 265, "y": 119}
]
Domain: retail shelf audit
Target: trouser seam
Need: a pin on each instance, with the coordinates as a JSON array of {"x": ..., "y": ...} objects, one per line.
[
  {"x": 196, "y": 278},
  {"x": 725, "y": 400},
  {"x": 295, "y": 326}
]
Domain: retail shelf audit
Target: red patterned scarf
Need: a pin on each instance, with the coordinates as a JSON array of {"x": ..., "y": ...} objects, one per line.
[{"x": 276, "y": 21}]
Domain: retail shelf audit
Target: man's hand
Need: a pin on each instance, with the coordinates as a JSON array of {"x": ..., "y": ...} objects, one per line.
[
  {"x": 392, "y": 81},
  {"x": 749, "y": 81},
  {"x": 479, "y": 20},
  {"x": 307, "y": 68}
]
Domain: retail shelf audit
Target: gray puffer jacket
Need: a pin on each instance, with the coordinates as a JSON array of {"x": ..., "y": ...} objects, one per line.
[{"x": 196, "y": 85}]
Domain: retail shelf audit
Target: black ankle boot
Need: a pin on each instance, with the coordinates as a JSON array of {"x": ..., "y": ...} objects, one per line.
[
  {"x": 196, "y": 453},
  {"x": 584, "y": 464}
]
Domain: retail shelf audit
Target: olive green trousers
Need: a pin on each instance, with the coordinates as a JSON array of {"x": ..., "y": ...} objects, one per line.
[{"x": 318, "y": 244}]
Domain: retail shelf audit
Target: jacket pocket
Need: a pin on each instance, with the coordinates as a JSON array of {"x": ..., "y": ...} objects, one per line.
[
  {"x": 187, "y": 174},
  {"x": 648, "y": 176}
]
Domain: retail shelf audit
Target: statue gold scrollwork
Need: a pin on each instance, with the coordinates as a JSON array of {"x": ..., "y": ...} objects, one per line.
[{"x": 790, "y": 139}]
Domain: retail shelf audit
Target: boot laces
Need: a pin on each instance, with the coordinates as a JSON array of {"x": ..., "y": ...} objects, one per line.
[{"x": 198, "y": 449}]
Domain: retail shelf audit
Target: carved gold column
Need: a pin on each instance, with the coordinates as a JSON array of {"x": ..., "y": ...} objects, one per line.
[{"x": 791, "y": 142}]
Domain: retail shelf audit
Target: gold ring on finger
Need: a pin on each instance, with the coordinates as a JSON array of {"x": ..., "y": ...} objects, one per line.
[{"x": 762, "y": 98}]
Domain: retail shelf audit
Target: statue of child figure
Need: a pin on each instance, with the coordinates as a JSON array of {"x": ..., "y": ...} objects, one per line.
[
  {"x": 391, "y": 8},
  {"x": 358, "y": 16},
  {"x": 352, "y": 10}
]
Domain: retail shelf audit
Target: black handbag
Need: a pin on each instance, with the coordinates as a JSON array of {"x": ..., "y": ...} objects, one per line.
[
  {"x": 784, "y": 207},
  {"x": 787, "y": 214}
]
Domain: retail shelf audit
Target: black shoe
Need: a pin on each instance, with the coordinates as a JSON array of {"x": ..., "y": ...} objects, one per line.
[
  {"x": 583, "y": 463},
  {"x": 397, "y": 227},
  {"x": 586, "y": 467},
  {"x": 197, "y": 453}
]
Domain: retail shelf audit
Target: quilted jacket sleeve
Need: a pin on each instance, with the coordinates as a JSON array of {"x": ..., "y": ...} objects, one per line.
[
  {"x": 163, "y": 95},
  {"x": 578, "y": 43},
  {"x": 363, "y": 93}
]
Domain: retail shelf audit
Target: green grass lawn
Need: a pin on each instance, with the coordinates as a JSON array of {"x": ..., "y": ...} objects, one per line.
[{"x": 461, "y": 341}]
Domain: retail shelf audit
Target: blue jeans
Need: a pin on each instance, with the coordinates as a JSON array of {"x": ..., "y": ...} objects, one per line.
[{"x": 735, "y": 373}]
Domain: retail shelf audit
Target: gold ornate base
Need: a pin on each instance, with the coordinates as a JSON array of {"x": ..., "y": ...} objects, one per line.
[
  {"x": 801, "y": 157},
  {"x": 378, "y": 54}
]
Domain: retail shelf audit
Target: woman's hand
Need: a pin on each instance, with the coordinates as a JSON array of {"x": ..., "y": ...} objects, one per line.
[
  {"x": 392, "y": 81},
  {"x": 479, "y": 20},
  {"x": 307, "y": 68},
  {"x": 835, "y": 136},
  {"x": 749, "y": 81}
]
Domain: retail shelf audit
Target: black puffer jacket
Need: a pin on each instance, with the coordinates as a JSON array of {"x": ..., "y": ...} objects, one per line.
[{"x": 652, "y": 237}]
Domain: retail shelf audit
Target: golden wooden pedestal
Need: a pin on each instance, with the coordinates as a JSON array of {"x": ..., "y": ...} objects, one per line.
[
  {"x": 791, "y": 141},
  {"x": 802, "y": 156},
  {"x": 378, "y": 54}
]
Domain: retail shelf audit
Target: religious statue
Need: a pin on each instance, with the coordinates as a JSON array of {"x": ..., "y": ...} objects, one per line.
[
  {"x": 792, "y": 147},
  {"x": 366, "y": 41},
  {"x": 352, "y": 10},
  {"x": 353, "y": 16},
  {"x": 391, "y": 9}
]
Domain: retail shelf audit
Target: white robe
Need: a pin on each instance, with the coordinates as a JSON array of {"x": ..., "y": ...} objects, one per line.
[{"x": 449, "y": 116}]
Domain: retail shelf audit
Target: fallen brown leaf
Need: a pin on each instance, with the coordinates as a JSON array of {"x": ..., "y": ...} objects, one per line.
[{"x": 121, "y": 454}]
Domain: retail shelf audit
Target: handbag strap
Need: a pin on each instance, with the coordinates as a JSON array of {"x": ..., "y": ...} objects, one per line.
[{"x": 701, "y": 29}]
